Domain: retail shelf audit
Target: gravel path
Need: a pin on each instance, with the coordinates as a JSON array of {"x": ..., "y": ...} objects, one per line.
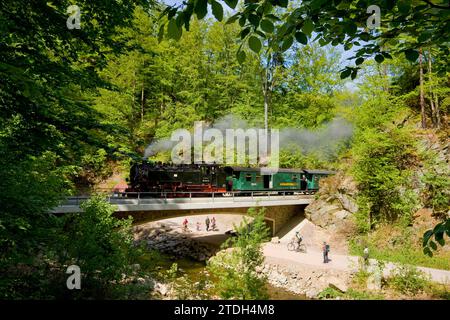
[{"x": 278, "y": 253}]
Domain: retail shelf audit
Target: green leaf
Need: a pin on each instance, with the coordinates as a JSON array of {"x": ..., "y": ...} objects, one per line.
[
  {"x": 254, "y": 20},
  {"x": 233, "y": 18},
  {"x": 426, "y": 236},
  {"x": 386, "y": 55},
  {"x": 201, "y": 8},
  {"x": 433, "y": 245},
  {"x": 245, "y": 32},
  {"x": 379, "y": 58},
  {"x": 427, "y": 251},
  {"x": 173, "y": 30},
  {"x": 217, "y": 10},
  {"x": 359, "y": 61},
  {"x": 267, "y": 26},
  {"x": 272, "y": 17},
  {"x": 254, "y": 43},
  {"x": 354, "y": 74},
  {"x": 242, "y": 21},
  {"x": 308, "y": 27},
  {"x": 411, "y": 55},
  {"x": 301, "y": 37},
  {"x": 346, "y": 73},
  {"x": 231, "y": 3},
  {"x": 287, "y": 43},
  {"x": 240, "y": 56},
  {"x": 350, "y": 28}
]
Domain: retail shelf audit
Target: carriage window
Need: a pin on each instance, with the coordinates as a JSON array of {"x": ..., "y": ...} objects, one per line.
[
  {"x": 248, "y": 177},
  {"x": 294, "y": 177},
  {"x": 258, "y": 179}
]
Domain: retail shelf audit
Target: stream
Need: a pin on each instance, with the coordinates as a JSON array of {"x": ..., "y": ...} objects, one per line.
[{"x": 193, "y": 269}]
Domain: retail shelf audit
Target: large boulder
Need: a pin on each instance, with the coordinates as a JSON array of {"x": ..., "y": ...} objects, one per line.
[{"x": 335, "y": 204}]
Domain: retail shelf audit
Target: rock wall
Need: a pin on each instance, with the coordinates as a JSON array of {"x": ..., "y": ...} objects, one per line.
[{"x": 334, "y": 205}]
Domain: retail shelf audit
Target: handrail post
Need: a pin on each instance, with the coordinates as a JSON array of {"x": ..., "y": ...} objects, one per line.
[
  {"x": 190, "y": 196},
  {"x": 213, "y": 196}
]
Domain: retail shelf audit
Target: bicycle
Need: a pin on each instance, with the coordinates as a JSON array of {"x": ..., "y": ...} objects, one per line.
[{"x": 294, "y": 246}]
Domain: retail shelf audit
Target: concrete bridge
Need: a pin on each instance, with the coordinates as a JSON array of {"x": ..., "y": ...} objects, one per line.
[{"x": 280, "y": 208}]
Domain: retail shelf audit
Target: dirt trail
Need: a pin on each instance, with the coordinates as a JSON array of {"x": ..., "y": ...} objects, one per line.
[{"x": 278, "y": 253}]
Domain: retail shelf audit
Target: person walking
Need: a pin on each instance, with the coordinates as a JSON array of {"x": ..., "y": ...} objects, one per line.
[
  {"x": 213, "y": 224},
  {"x": 185, "y": 224},
  {"x": 207, "y": 223},
  {"x": 325, "y": 250},
  {"x": 366, "y": 255},
  {"x": 198, "y": 225}
]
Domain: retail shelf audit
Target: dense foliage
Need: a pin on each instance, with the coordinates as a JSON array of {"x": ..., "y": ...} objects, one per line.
[{"x": 74, "y": 102}]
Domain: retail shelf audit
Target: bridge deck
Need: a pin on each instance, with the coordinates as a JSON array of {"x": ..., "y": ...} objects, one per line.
[{"x": 155, "y": 204}]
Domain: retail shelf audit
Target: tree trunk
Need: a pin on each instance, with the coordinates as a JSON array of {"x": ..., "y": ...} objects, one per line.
[
  {"x": 430, "y": 80},
  {"x": 133, "y": 98},
  {"x": 266, "y": 98},
  {"x": 422, "y": 101},
  {"x": 142, "y": 100}
]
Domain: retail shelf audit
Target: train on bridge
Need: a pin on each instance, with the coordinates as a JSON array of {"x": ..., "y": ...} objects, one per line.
[{"x": 159, "y": 178}]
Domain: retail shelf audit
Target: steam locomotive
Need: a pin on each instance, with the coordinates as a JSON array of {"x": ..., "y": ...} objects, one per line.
[{"x": 158, "y": 178}]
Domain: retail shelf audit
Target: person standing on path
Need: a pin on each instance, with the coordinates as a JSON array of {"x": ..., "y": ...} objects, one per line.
[
  {"x": 366, "y": 255},
  {"x": 213, "y": 224},
  {"x": 325, "y": 250},
  {"x": 207, "y": 223},
  {"x": 198, "y": 225}
]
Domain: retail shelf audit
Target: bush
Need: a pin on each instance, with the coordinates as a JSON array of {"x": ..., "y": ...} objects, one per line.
[
  {"x": 408, "y": 280},
  {"x": 100, "y": 245},
  {"x": 329, "y": 293}
]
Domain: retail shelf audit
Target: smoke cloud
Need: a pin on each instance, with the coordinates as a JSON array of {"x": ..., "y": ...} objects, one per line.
[{"x": 325, "y": 140}]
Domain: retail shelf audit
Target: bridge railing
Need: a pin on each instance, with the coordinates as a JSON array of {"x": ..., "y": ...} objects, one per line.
[{"x": 183, "y": 197}]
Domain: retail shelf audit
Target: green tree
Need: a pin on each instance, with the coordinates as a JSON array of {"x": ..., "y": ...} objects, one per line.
[
  {"x": 236, "y": 268},
  {"x": 100, "y": 245}
]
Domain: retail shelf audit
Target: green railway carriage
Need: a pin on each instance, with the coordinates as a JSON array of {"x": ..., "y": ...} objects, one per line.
[{"x": 252, "y": 179}]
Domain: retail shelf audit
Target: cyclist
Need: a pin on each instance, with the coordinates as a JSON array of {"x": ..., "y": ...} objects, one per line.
[{"x": 299, "y": 238}]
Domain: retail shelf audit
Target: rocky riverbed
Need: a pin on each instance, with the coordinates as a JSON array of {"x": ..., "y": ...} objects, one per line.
[
  {"x": 306, "y": 280},
  {"x": 167, "y": 240}
]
